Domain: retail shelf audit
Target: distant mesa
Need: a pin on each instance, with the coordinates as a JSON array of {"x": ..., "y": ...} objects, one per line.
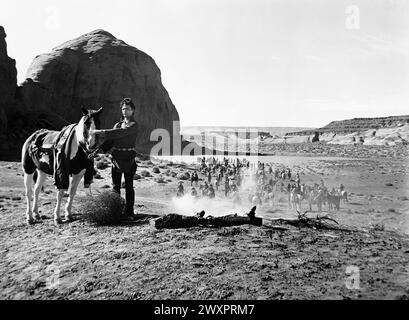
[{"x": 369, "y": 131}]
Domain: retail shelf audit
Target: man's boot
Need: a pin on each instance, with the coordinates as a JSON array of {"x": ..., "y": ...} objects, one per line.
[{"x": 130, "y": 201}]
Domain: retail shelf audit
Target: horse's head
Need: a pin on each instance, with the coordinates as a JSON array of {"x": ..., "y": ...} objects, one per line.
[{"x": 89, "y": 121}]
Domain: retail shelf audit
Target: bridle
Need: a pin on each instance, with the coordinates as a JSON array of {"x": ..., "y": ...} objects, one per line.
[{"x": 83, "y": 144}]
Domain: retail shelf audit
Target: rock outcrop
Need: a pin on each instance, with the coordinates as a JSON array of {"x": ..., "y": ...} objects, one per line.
[
  {"x": 8, "y": 81},
  {"x": 356, "y": 125},
  {"x": 98, "y": 70},
  {"x": 368, "y": 131}
]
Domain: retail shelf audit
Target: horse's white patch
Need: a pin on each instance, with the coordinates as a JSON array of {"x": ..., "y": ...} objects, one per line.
[
  {"x": 45, "y": 158},
  {"x": 74, "y": 146},
  {"x": 79, "y": 131},
  {"x": 91, "y": 136}
]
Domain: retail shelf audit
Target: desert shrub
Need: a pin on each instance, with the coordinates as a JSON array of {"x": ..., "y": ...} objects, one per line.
[
  {"x": 173, "y": 174},
  {"x": 137, "y": 176},
  {"x": 145, "y": 173},
  {"x": 101, "y": 165},
  {"x": 160, "y": 179},
  {"x": 378, "y": 227},
  {"x": 183, "y": 176},
  {"x": 105, "y": 209},
  {"x": 155, "y": 170},
  {"x": 142, "y": 157}
]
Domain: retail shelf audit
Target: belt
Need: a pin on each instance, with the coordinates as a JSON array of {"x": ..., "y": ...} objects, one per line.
[{"x": 125, "y": 149}]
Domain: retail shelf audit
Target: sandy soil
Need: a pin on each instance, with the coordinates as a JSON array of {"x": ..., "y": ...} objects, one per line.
[{"x": 136, "y": 261}]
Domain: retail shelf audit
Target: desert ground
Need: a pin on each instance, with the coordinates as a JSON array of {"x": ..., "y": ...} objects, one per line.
[{"x": 134, "y": 260}]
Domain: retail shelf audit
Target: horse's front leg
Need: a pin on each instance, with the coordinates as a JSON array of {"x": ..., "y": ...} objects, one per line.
[
  {"x": 28, "y": 184},
  {"x": 57, "y": 218},
  {"x": 76, "y": 178},
  {"x": 37, "y": 189}
]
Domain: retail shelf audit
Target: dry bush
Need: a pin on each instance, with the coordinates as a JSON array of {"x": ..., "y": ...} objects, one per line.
[
  {"x": 145, "y": 173},
  {"x": 155, "y": 170},
  {"x": 105, "y": 209},
  {"x": 148, "y": 162},
  {"x": 160, "y": 179},
  {"x": 183, "y": 176},
  {"x": 378, "y": 227},
  {"x": 137, "y": 176},
  {"x": 102, "y": 164}
]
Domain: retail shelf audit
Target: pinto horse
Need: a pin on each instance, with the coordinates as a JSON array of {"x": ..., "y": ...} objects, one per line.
[{"x": 61, "y": 154}]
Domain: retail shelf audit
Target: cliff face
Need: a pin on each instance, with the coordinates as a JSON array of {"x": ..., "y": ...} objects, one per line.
[
  {"x": 368, "y": 131},
  {"x": 98, "y": 70},
  {"x": 363, "y": 124},
  {"x": 8, "y": 81},
  {"x": 357, "y": 125}
]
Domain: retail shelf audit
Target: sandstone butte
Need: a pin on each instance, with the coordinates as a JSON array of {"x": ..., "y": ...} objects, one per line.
[{"x": 94, "y": 70}]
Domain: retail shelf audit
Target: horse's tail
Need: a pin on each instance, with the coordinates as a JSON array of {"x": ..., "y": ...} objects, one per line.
[{"x": 27, "y": 162}]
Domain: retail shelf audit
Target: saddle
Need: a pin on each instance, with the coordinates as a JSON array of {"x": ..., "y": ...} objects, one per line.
[{"x": 46, "y": 141}]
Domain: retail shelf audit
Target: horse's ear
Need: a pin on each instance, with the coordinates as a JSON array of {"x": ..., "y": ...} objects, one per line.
[
  {"x": 99, "y": 110},
  {"x": 84, "y": 111}
]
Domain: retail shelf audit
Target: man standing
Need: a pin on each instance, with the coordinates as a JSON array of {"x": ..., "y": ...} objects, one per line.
[{"x": 121, "y": 140}]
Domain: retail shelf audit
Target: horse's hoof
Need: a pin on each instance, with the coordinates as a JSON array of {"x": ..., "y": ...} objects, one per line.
[
  {"x": 57, "y": 221},
  {"x": 30, "y": 222},
  {"x": 37, "y": 218},
  {"x": 69, "y": 219}
]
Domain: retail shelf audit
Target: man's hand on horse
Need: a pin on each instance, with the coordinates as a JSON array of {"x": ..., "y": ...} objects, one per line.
[
  {"x": 97, "y": 132},
  {"x": 94, "y": 153}
]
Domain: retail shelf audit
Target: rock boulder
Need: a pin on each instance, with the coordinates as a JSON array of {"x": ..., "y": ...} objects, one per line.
[
  {"x": 8, "y": 81},
  {"x": 98, "y": 70}
]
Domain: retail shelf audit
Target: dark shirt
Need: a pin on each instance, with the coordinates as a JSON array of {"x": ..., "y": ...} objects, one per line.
[{"x": 119, "y": 139}]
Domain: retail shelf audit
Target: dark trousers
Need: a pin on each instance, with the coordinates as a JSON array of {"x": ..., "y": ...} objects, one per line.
[{"x": 129, "y": 191}]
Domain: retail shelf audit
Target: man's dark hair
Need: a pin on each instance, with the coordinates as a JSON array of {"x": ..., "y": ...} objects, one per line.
[{"x": 128, "y": 102}]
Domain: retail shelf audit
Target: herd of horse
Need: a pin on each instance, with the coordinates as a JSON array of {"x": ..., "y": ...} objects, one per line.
[{"x": 316, "y": 195}]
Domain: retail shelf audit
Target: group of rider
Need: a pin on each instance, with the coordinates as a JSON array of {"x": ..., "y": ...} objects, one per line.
[{"x": 230, "y": 173}]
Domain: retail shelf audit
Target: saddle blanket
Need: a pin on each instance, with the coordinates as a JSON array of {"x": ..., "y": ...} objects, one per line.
[{"x": 50, "y": 152}]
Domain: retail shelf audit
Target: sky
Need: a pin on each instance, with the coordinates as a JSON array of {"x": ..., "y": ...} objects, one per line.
[{"x": 263, "y": 63}]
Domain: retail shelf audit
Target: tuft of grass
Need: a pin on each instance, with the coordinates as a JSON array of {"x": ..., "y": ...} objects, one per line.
[
  {"x": 155, "y": 170},
  {"x": 160, "y": 179},
  {"x": 105, "y": 209},
  {"x": 145, "y": 173},
  {"x": 183, "y": 176},
  {"x": 101, "y": 165},
  {"x": 378, "y": 227}
]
